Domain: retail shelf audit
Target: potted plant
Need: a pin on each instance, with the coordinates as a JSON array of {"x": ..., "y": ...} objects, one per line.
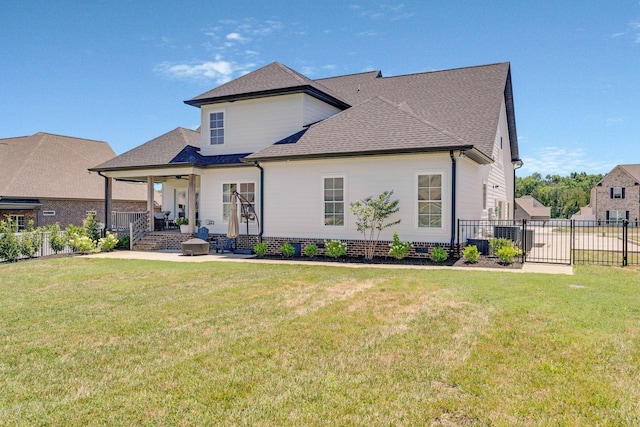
[{"x": 183, "y": 223}]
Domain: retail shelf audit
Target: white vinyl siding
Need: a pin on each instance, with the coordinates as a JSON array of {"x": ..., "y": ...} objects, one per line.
[
  {"x": 254, "y": 124},
  {"x": 289, "y": 211}
]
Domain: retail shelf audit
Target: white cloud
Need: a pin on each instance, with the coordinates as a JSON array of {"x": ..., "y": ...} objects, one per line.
[
  {"x": 560, "y": 161},
  {"x": 235, "y": 37},
  {"x": 219, "y": 70},
  {"x": 368, "y": 33}
]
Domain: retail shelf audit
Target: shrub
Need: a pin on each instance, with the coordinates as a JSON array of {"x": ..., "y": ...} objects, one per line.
[
  {"x": 57, "y": 242},
  {"x": 124, "y": 242},
  {"x": 287, "y": 250},
  {"x": 108, "y": 242},
  {"x": 471, "y": 254},
  {"x": 261, "y": 249},
  {"x": 399, "y": 249},
  {"x": 30, "y": 243},
  {"x": 91, "y": 228},
  {"x": 181, "y": 221},
  {"x": 335, "y": 248},
  {"x": 439, "y": 255},
  {"x": 82, "y": 244},
  {"x": 506, "y": 254},
  {"x": 9, "y": 244},
  {"x": 311, "y": 250},
  {"x": 497, "y": 244}
]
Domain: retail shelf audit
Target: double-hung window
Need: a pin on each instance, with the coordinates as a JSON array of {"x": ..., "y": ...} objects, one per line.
[
  {"x": 246, "y": 189},
  {"x": 216, "y": 128},
  {"x": 17, "y": 222},
  {"x": 334, "y": 201},
  {"x": 617, "y": 193},
  {"x": 430, "y": 201}
]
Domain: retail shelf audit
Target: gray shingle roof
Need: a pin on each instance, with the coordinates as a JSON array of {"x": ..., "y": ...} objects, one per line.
[
  {"x": 462, "y": 104},
  {"x": 54, "y": 166},
  {"x": 157, "y": 152},
  {"x": 271, "y": 79},
  {"x": 376, "y": 125}
]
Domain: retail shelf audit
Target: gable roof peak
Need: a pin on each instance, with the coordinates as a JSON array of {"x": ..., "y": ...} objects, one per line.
[{"x": 271, "y": 80}]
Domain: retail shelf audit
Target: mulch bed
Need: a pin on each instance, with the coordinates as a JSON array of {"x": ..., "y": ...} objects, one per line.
[{"x": 483, "y": 262}]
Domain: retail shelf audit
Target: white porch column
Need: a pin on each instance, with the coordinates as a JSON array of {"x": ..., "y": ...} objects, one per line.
[
  {"x": 150, "y": 198},
  {"x": 191, "y": 196}
]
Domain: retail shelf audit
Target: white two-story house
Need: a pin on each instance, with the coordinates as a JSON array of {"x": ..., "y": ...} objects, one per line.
[{"x": 302, "y": 150}]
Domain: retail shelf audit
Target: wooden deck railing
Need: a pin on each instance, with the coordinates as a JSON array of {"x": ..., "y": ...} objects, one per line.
[
  {"x": 138, "y": 228},
  {"x": 120, "y": 220}
]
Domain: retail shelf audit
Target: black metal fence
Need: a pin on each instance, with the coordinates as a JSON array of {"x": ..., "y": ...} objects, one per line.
[{"x": 559, "y": 241}]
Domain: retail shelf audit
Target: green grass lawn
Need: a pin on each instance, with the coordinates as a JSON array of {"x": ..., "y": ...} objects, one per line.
[{"x": 118, "y": 342}]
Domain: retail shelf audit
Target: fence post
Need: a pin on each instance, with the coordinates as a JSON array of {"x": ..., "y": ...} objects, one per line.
[
  {"x": 524, "y": 240},
  {"x": 625, "y": 241},
  {"x": 571, "y": 241},
  {"x": 458, "y": 244}
]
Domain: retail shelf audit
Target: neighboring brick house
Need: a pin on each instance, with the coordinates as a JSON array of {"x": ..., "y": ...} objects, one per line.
[
  {"x": 45, "y": 178},
  {"x": 530, "y": 209},
  {"x": 617, "y": 196}
]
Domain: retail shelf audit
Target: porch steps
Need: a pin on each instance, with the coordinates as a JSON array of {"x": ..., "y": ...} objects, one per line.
[{"x": 158, "y": 240}]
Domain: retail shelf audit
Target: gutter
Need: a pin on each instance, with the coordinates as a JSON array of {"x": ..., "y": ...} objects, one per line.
[
  {"x": 257, "y": 164},
  {"x": 453, "y": 198}
]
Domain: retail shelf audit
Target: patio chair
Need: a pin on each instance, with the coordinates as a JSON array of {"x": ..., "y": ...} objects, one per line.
[
  {"x": 203, "y": 233},
  {"x": 223, "y": 244}
]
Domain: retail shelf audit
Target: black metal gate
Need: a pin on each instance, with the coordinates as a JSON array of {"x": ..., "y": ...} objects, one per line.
[{"x": 559, "y": 241}]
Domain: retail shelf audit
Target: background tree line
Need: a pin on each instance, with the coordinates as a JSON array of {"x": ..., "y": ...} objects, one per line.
[{"x": 565, "y": 195}]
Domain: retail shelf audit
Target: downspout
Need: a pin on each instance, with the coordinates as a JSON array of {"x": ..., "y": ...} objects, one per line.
[
  {"x": 453, "y": 198},
  {"x": 257, "y": 164},
  {"x": 519, "y": 163}
]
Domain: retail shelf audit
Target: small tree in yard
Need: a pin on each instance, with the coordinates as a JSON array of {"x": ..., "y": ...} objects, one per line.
[{"x": 371, "y": 215}]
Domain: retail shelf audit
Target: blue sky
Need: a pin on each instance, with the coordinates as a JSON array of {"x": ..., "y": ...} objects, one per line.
[{"x": 118, "y": 71}]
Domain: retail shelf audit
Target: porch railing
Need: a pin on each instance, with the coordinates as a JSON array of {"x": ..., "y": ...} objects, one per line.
[
  {"x": 138, "y": 228},
  {"x": 120, "y": 220}
]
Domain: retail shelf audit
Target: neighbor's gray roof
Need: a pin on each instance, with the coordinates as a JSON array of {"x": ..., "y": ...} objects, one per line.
[
  {"x": 271, "y": 79},
  {"x": 157, "y": 152},
  {"x": 533, "y": 207},
  {"x": 54, "y": 166},
  {"x": 463, "y": 104}
]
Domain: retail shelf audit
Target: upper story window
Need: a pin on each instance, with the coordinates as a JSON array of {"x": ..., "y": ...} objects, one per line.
[
  {"x": 430, "y": 201},
  {"x": 617, "y": 192},
  {"x": 334, "y": 201},
  {"x": 216, "y": 128}
]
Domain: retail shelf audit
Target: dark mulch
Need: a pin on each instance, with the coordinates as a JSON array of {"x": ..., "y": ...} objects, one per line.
[
  {"x": 484, "y": 261},
  {"x": 488, "y": 262}
]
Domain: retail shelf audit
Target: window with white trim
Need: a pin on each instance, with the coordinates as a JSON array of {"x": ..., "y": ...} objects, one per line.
[
  {"x": 430, "y": 201},
  {"x": 334, "y": 201},
  {"x": 617, "y": 216},
  {"x": 17, "y": 222},
  {"x": 617, "y": 193},
  {"x": 216, "y": 128},
  {"x": 246, "y": 189}
]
